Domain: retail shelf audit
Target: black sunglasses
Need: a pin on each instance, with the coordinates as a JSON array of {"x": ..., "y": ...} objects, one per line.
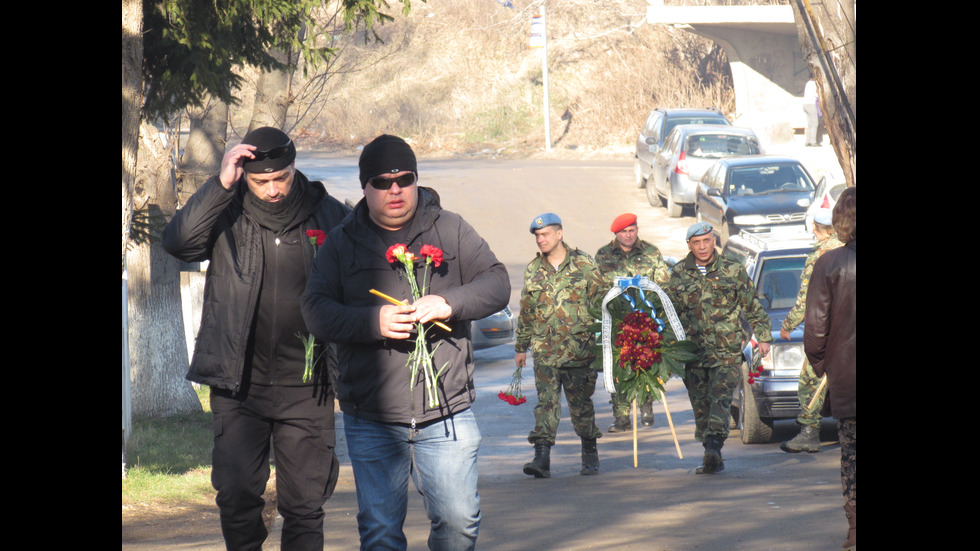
[
  {"x": 384, "y": 184},
  {"x": 274, "y": 153}
]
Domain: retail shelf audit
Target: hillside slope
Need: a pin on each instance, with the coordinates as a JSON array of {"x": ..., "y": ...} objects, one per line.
[{"x": 460, "y": 75}]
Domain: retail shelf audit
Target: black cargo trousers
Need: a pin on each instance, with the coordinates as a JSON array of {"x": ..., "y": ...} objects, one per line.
[{"x": 303, "y": 440}]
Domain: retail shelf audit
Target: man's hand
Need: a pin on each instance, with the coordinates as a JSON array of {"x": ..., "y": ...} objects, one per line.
[
  {"x": 784, "y": 334},
  {"x": 430, "y": 308},
  {"x": 764, "y": 349},
  {"x": 231, "y": 164},
  {"x": 520, "y": 359},
  {"x": 397, "y": 322}
]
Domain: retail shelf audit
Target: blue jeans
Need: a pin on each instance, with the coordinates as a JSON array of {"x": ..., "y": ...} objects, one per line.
[{"x": 441, "y": 457}]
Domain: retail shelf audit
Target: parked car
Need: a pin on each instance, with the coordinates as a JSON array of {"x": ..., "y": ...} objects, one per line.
[
  {"x": 774, "y": 262},
  {"x": 756, "y": 194},
  {"x": 494, "y": 329},
  {"x": 829, "y": 188},
  {"x": 687, "y": 152},
  {"x": 659, "y": 123}
]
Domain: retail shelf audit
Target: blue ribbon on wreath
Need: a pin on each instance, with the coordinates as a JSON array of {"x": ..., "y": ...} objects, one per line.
[{"x": 626, "y": 283}]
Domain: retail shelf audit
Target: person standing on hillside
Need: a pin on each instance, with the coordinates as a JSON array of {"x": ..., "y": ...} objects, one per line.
[
  {"x": 625, "y": 256},
  {"x": 251, "y": 222},
  {"x": 396, "y": 430},
  {"x": 808, "y": 438},
  {"x": 811, "y": 108},
  {"x": 711, "y": 294},
  {"x": 560, "y": 285},
  {"x": 830, "y": 343}
]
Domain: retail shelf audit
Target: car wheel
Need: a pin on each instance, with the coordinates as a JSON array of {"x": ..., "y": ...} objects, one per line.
[
  {"x": 674, "y": 210},
  {"x": 652, "y": 196},
  {"x": 755, "y": 429},
  {"x": 638, "y": 174}
]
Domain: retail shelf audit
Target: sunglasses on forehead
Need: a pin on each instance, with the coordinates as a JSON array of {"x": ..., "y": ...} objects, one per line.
[
  {"x": 274, "y": 153},
  {"x": 384, "y": 184}
]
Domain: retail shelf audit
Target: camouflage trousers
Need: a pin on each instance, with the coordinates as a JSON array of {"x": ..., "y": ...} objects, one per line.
[
  {"x": 710, "y": 390},
  {"x": 622, "y": 407},
  {"x": 806, "y": 390},
  {"x": 847, "y": 433},
  {"x": 579, "y": 385}
]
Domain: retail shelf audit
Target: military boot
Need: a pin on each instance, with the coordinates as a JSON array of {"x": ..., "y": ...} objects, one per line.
[
  {"x": 590, "y": 457},
  {"x": 622, "y": 424},
  {"x": 646, "y": 414},
  {"x": 712, "y": 463},
  {"x": 540, "y": 466},
  {"x": 808, "y": 440}
]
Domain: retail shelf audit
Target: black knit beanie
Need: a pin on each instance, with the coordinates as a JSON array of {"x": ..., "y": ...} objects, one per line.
[
  {"x": 385, "y": 155},
  {"x": 273, "y": 150}
]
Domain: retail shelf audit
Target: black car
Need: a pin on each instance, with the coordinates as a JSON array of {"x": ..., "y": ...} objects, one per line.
[
  {"x": 659, "y": 123},
  {"x": 757, "y": 194},
  {"x": 774, "y": 262}
]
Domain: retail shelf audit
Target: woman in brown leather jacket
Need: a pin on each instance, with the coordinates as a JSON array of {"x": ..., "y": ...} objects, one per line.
[{"x": 829, "y": 339}]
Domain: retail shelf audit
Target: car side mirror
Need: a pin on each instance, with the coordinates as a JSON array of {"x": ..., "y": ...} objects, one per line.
[{"x": 714, "y": 192}]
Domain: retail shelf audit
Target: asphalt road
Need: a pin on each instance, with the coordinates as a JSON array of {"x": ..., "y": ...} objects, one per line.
[{"x": 765, "y": 499}]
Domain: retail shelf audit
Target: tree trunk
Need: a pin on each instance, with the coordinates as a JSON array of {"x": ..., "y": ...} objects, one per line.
[
  {"x": 272, "y": 98},
  {"x": 828, "y": 38},
  {"x": 132, "y": 101},
  {"x": 156, "y": 331}
]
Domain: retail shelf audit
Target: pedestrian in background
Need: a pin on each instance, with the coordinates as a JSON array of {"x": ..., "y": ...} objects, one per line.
[
  {"x": 393, "y": 430},
  {"x": 711, "y": 294},
  {"x": 250, "y": 222},
  {"x": 561, "y": 284},
  {"x": 625, "y": 256},
  {"x": 808, "y": 438},
  {"x": 830, "y": 343},
  {"x": 811, "y": 108}
]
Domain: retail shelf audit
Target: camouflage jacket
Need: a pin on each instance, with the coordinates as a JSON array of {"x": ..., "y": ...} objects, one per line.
[
  {"x": 554, "y": 320},
  {"x": 795, "y": 316},
  {"x": 711, "y": 308},
  {"x": 644, "y": 259}
]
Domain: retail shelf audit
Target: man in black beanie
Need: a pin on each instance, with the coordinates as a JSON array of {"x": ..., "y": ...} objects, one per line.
[
  {"x": 395, "y": 430},
  {"x": 257, "y": 223}
]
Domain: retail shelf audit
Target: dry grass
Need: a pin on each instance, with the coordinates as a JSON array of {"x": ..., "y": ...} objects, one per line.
[{"x": 460, "y": 75}]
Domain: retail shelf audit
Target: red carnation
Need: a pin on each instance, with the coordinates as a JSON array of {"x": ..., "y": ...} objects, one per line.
[
  {"x": 317, "y": 237},
  {"x": 435, "y": 253}
]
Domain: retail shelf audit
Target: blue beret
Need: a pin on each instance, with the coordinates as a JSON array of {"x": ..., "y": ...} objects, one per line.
[
  {"x": 545, "y": 219},
  {"x": 701, "y": 228},
  {"x": 824, "y": 216}
]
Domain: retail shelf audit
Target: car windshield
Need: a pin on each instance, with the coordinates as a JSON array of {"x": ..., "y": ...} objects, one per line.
[
  {"x": 779, "y": 281},
  {"x": 721, "y": 145},
  {"x": 671, "y": 123},
  {"x": 753, "y": 180}
]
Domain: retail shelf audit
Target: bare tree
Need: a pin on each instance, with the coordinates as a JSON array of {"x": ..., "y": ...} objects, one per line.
[{"x": 828, "y": 38}]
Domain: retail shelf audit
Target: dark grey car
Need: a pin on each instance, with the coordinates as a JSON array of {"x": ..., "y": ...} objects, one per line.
[
  {"x": 774, "y": 262},
  {"x": 659, "y": 123},
  {"x": 686, "y": 154},
  {"x": 757, "y": 194}
]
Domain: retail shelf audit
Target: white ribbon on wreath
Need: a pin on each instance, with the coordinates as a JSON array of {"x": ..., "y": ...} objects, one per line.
[{"x": 620, "y": 286}]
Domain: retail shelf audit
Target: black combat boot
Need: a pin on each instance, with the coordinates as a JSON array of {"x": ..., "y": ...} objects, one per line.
[
  {"x": 808, "y": 440},
  {"x": 590, "y": 457},
  {"x": 540, "y": 466},
  {"x": 712, "y": 463},
  {"x": 622, "y": 424},
  {"x": 646, "y": 414}
]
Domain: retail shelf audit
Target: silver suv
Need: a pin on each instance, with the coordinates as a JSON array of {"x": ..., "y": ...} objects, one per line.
[
  {"x": 659, "y": 123},
  {"x": 774, "y": 262}
]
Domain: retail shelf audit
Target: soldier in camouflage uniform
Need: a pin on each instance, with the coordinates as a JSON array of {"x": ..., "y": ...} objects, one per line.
[
  {"x": 809, "y": 419},
  {"x": 560, "y": 285},
  {"x": 625, "y": 256},
  {"x": 711, "y": 295}
]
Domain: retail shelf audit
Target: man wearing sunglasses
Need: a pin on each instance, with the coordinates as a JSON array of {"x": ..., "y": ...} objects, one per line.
[
  {"x": 250, "y": 222},
  {"x": 393, "y": 431}
]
